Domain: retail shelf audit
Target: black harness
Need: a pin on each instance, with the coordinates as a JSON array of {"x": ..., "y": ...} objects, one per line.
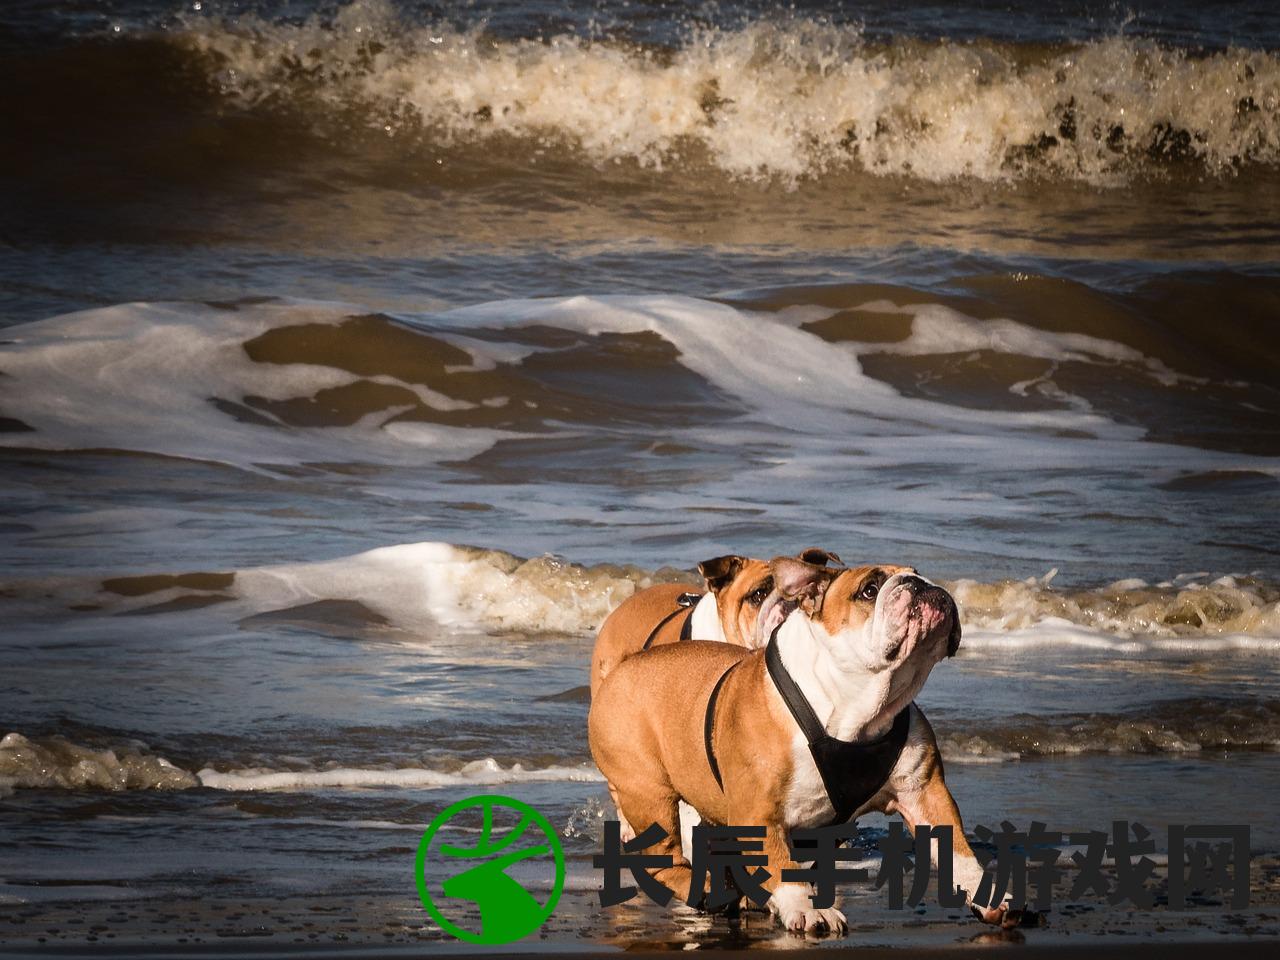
[
  {"x": 852, "y": 773},
  {"x": 684, "y": 604}
]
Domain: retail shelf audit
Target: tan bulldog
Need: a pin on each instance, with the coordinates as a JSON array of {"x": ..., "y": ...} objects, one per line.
[{"x": 709, "y": 724}]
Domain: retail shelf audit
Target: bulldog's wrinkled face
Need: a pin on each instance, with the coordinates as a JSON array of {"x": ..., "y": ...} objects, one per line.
[
  {"x": 881, "y": 617},
  {"x": 741, "y": 586},
  {"x": 873, "y": 618}
]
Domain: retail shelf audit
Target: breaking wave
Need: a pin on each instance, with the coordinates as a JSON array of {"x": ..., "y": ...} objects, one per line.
[
  {"x": 58, "y": 763},
  {"x": 785, "y": 99},
  {"x": 1189, "y": 605},
  {"x": 418, "y": 586},
  {"x": 415, "y": 585}
]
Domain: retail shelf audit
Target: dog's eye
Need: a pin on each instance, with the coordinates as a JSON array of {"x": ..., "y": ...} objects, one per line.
[
  {"x": 870, "y": 589},
  {"x": 757, "y": 596}
]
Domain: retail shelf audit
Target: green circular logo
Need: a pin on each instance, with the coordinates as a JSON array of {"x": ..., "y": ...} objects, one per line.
[{"x": 477, "y": 873}]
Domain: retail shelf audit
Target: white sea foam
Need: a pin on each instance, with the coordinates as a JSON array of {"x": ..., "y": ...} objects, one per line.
[
  {"x": 416, "y": 588},
  {"x": 939, "y": 329},
  {"x": 55, "y": 762},
  {"x": 1231, "y": 613},
  {"x": 485, "y": 772},
  {"x": 799, "y": 382},
  {"x": 141, "y": 376},
  {"x": 1055, "y": 634},
  {"x": 158, "y": 378},
  {"x": 144, "y": 377},
  {"x": 437, "y": 583},
  {"x": 789, "y": 99},
  {"x": 424, "y": 584}
]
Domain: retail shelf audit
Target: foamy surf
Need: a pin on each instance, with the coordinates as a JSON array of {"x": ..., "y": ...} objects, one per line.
[
  {"x": 440, "y": 584},
  {"x": 57, "y": 763},
  {"x": 182, "y": 380},
  {"x": 1187, "y": 613},
  {"x": 298, "y": 387},
  {"x": 295, "y": 383},
  {"x": 486, "y": 772},
  {"x": 788, "y": 98},
  {"x": 1180, "y": 726},
  {"x": 414, "y": 589}
]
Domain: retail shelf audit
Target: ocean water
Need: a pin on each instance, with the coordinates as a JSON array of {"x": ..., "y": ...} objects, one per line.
[{"x": 356, "y": 359}]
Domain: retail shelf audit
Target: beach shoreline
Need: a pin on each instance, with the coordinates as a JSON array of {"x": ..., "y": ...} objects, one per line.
[{"x": 356, "y": 924}]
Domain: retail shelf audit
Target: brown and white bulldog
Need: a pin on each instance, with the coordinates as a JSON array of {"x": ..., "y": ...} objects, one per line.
[
  {"x": 708, "y": 724},
  {"x": 740, "y": 606}
]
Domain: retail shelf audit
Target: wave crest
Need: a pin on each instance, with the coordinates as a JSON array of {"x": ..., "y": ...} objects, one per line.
[
  {"x": 1187, "y": 606},
  {"x": 418, "y": 587},
  {"x": 56, "y": 762},
  {"x": 787, "y": 99}
]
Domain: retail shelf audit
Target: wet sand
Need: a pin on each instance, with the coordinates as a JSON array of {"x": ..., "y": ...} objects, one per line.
[{"x": 124, "y": 925}]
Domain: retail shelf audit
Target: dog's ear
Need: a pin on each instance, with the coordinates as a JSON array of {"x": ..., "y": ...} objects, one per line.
[
  {"x": 719, "y": 572},
  {"x": 805, "y": 583},
  {"x": 819, "y": 557}
]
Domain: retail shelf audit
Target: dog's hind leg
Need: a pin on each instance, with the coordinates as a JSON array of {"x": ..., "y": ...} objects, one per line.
[{"x": 657, "y": 803}]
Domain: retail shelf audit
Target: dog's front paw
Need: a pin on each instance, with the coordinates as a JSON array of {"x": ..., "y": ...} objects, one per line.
[
  {"x": 1002, "y": 916},
  {"x": 793, "y": 905},
  {"x": 829, "y": 920}
]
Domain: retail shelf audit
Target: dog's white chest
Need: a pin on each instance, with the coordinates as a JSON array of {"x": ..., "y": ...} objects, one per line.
[{"x": 807, "y": 804}]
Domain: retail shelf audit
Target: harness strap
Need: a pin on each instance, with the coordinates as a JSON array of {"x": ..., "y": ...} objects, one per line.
[
  {"x": 792, "y": 695},
  {"x": 708, "y": 727},
  {"x": 684, "y": 604},
  {"x": 852, "y": 772}
]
